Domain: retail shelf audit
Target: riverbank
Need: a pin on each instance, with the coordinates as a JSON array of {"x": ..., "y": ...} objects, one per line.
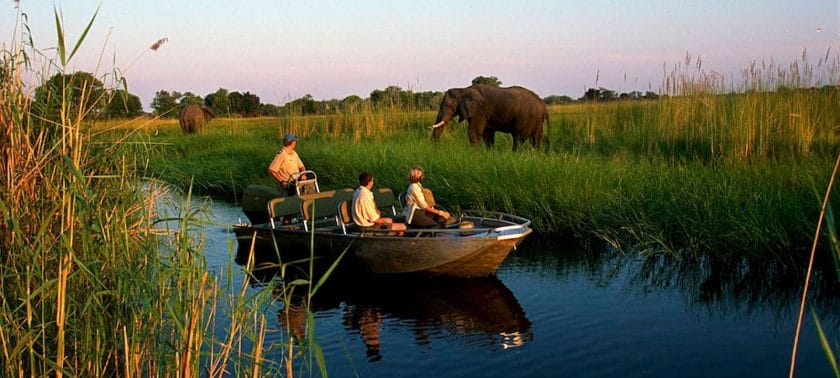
[{"x": 645, "y": 201}]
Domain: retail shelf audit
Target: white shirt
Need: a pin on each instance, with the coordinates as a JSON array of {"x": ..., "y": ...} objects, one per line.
[{"x": 364, "y": 208}]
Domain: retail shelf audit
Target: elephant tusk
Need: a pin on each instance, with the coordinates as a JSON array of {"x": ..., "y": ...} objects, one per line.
[{"x": 439, "y": 124}]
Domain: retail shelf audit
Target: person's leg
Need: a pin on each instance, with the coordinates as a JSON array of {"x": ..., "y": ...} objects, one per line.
[{"x": 421, "y": 219}]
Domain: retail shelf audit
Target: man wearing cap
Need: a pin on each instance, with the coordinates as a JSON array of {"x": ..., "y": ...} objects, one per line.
[{"x": 287, "y": 166}]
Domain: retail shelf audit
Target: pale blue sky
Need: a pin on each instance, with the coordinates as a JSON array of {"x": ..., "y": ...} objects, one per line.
[{"x": 281, "y": 50}]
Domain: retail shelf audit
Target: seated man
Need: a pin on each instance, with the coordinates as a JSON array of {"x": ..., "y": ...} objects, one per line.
[{"x": 365, "y": 213}]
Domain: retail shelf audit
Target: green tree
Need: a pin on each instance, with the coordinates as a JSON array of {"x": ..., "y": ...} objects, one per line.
[
  {"x": 218, "y": 101},
  {"x": 189, "y": 98},
  {"x": 352, "y": 104},
  {"x": 490, "y": 80},
  {"x": 123, "y": 105},
  {"x": 76, "y": 92},
  {"x": 250, "y": 105},
  {"x": 165, "y": 104},
  {"x": 599, "y": 94},
  {"x": 558, "y": 100},
  {"x": 269, "y": 110}
]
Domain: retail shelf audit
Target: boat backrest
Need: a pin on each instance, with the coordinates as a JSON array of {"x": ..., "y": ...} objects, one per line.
[
  {"x": 429, "y": 197},
  {"x": 385, "y": 200},
  {"x": 281, "y": 207},
  {"x": 323, "y": 205},
  {"x": 345, "y": 219}
]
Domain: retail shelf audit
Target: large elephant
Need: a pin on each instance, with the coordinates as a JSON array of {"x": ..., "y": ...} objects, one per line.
[
  {"x": 489, "y": 109},
  {"x": 193, "y": 118}
]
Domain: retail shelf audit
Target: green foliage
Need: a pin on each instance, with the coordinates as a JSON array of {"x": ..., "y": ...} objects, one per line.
[
  {"x": 219, "y": 102},
  {"x": 122, "y": 104},
  {"x": 165, "y": 105},
  {"x": 189, "y": 98},
  {"x": 489, "y": 80},
  {"x": 558, "y": 100},
  {"x": 79, "y": 93},
  {"x": 244, "y": 104}
]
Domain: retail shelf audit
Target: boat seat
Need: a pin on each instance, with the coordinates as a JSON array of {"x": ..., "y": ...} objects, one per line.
[
  {"x": 323, "y": 206},
  {"x": 429, "y": 197},
  {"x": 385, "y": 200},
  {"x": 345, "y": 220},
  {"x": 282, "y": 207}
]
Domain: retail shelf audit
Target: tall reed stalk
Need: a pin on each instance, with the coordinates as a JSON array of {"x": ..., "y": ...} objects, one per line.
[{"x": 92, "y": 282}]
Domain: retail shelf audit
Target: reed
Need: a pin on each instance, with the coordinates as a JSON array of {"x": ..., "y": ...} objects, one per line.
[{"x": 98, "y": 276}]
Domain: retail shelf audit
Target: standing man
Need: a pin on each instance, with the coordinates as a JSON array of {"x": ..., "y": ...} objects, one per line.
[
  {"x": 365, "y": 213},
  {"x": 287, "y": 166}
]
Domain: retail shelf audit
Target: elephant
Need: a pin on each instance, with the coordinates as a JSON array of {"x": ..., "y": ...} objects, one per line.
[
  {"x": 488, "y": 109},
  {"x": 193, "y": 118}
]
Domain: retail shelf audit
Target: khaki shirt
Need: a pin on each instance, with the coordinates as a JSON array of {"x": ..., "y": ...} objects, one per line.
[
  {"x": 364, "y": 208},
  {"x": 287, "y": 164}
]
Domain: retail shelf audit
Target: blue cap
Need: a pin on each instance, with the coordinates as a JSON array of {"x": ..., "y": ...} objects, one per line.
[{"x": 289, "y": 138}]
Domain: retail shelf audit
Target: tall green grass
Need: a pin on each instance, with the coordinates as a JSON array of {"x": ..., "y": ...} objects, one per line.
[
  {"x": 648, "y": 201},
  {"x": 94, "y": 279}
]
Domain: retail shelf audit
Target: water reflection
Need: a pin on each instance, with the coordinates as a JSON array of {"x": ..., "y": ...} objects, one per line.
[
  {"x": 481, "y": 312},
  {"x": 708, "y": 284}
]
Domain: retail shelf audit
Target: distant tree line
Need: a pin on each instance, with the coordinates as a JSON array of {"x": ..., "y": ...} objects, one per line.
[
  {"x": 222, "y": 102},
  {"x": 81, "y": 90}
]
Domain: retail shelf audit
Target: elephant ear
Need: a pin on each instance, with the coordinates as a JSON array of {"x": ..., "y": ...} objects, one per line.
[
  {"x": 208, "y": 112},
  {"x": 470, "y": 105}
]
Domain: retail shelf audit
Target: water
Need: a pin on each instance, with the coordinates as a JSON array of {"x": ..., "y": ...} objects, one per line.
[{"x": 559, "y": 310}]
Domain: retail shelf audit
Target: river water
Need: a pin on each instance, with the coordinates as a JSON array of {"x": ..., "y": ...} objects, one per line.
[{"x": 558, "y": 309}]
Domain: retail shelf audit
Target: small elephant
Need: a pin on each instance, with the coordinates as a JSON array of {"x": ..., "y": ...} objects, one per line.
[
  {"x": 193, "y": 118},
  {"x": 489, "y": 109}
]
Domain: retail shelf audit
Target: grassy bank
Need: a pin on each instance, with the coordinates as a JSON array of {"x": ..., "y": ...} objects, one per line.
[
  {"x": 649, "y": 201},
  {"x": 708, "y": 167}
]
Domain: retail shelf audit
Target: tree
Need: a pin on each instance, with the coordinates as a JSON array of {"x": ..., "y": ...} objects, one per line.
[
  {"x": 599, "y": 94},
  {"x": 558, "y": 100},
  {"x": 490, "y": 80},
  {"x": 244, "y": 104},
  {"x": 218, "y": 101},
  {"x": 77, "y": 93},
  {"x": 165, "y": 105},
  {"x": 123, "y": 105},
  {"x": 250, "y": 105},
  {"x": 189, "y": 98},
  {"x": 269, "y": 110},
  {"x": 352, "y": 104}
]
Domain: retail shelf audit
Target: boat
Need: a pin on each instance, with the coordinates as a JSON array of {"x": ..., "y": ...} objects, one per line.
[{"x": 319, "y": 224}]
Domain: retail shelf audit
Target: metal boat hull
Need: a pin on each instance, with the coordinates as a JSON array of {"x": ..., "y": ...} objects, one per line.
[{"x": 439, "y": 255}]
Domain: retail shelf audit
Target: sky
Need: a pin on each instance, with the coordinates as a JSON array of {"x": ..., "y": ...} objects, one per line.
[{"x": 284, "y": 49}]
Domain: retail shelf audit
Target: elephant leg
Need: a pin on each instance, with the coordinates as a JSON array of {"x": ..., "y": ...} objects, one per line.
[
  {"x": 476, "y": 130},
  {"x": 536, "y": 137},
  {"x": 517, "y": 140},
  {"x": 489, "y": 137}
]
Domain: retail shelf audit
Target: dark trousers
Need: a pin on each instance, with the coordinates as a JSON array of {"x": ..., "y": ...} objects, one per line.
[{"x": 424, "y": 219}]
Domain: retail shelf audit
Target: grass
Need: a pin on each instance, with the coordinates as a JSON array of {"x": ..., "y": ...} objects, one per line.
[
  {"x": 653, "y": 202},
  {"x": 97, "y": 276}
]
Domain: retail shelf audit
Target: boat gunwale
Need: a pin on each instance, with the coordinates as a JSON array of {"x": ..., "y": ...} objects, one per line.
[{"x": 516, "y": 227}]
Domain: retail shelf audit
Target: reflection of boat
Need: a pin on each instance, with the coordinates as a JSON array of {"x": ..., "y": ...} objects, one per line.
[
  {"x": 321, "y": 220},
  {"x": 479, "y": 311}
]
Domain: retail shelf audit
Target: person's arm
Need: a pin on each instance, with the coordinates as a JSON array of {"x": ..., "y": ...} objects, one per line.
[
  {"x": 301, "y": 169},
  {"x": 272, "y": 168}
]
